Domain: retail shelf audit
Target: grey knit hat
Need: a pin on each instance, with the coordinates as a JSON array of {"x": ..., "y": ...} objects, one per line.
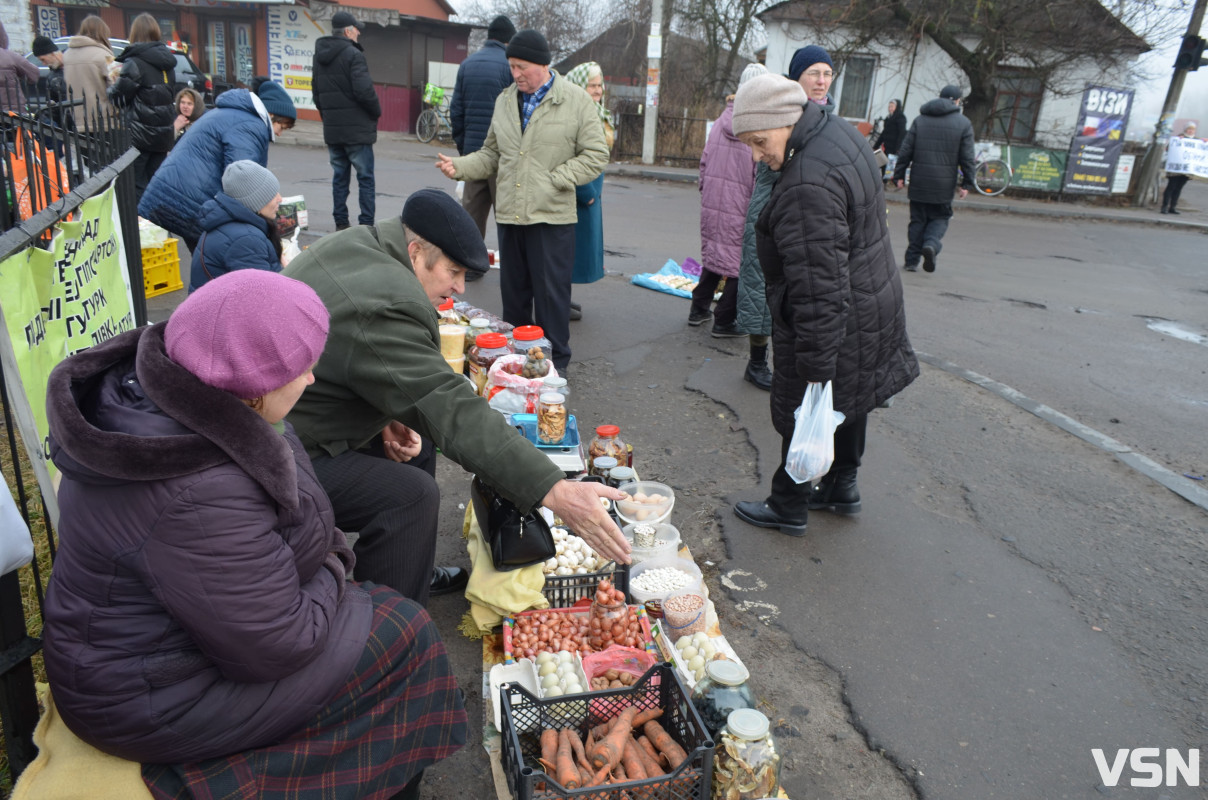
[
  {"x": 250, "y": 184},
  {"x": 766, "y": 102},
  {"x": 752, "y": 70}
]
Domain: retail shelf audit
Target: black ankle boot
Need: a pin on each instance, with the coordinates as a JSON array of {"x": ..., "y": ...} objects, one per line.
[
  {"x": 757, "y": 368},
  {"x": 836, "y": 492}
]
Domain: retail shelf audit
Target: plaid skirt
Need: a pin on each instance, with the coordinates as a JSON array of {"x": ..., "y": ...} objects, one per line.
[{"x": 399, "y": 712}]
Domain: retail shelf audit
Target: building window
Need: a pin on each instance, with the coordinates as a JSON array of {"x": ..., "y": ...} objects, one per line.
[
  {"x": 1017, "y": 97},
  {"x": 855, "y": 93}
]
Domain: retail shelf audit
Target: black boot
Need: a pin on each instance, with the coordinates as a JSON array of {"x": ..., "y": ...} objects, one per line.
[
  {"x": 837, "y": 492},
  {"x": 760, "y": 514},
  {"x": 757, "y": 368}
]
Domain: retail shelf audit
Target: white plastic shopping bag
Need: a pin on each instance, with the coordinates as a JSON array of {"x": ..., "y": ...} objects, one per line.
[
  {"x": 16, "y": 546},
  {"x": 812, "y": 449}
]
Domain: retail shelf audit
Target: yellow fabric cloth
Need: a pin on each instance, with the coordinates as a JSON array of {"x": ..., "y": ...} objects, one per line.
[
  {"x": 493, "y": 594},
  {"x": 68, "y": 768}
]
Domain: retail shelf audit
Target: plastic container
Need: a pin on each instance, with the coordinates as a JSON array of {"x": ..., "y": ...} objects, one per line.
[
  {"x": 522, "y": 673},
  {"x": 650, "y": 502},
  {"x": 723, "y": 690},
  {"x": 551, "y": 418},
  {"x": 458, "y": 364},
  {"x": 748, "y": 764},
  {"x": 685, "y": 613},
  {"x": 524, "y": 715},
  {"x": 449, "y": 316},
  {"x": 487, "y": 348},
  {"x": 526, "y": 337},
  {"x": 607, "y": 442},
  {"x": 666, "y": 541},
  {"x": 695, "y": 579},
  {"x": 452, "y": 341}
]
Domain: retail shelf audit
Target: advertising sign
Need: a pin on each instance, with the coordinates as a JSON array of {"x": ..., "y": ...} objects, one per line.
[
  {"x": 292, "y": 34},
  {"x": 1097, "y": 143},
  {"x": 1037, "y": 168},
  {"x": 1187, "y": 157}
]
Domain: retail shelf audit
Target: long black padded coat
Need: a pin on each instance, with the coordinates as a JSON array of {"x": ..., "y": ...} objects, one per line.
[
  {"x": 939, "y": 141},
  {"x": 344, "y": 93},
  {"x": 832, "y": 283},
  {"x": 146, "y": 89}
]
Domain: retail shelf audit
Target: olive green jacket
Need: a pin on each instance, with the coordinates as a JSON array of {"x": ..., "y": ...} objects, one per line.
[
  {"x": 537, "y": 171},
  {"x": 382, "y": 362}
]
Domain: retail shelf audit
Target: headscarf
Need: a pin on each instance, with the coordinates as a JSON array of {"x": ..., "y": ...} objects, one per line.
[{"x": 583, "y": 73}]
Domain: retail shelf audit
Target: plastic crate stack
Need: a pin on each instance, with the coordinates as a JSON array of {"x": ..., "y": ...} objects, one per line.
[{"x": 161, "y": 269}]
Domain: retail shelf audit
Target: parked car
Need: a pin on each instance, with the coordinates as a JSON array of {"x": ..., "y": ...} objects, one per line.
[{"x": 188, "y": 74}]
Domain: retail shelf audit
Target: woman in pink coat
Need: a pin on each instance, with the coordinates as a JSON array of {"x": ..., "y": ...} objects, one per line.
[{"x": 727, "y": 177}]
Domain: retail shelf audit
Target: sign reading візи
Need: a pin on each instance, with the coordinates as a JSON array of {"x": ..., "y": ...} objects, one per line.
[{"x": 58, "y": 302}]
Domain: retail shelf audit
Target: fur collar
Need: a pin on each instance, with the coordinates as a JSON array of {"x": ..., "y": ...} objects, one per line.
[{"x": 225, "y": 429}]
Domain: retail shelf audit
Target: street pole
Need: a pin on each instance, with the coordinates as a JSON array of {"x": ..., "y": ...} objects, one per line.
[
  {"x": 654, "y": 57},
  {"x": 1153, "y": 155}
]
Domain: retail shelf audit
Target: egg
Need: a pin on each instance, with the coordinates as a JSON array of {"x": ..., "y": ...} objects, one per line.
[
  {"x": 564, "y": 657},
  {"x": 689, "y": 653},
  {"x": 683, "y": 642},
  {"x": 548, "y": 668},
  {"x": 549, "y": 681},
  {"x": 699, "y": 638},
  {"x": 573, "y": 686},
  {"x": 544, "y": 657},
  {"x": 695, "y": 663},
  {"x": 553, "y": 691},
  {"x": 708, "y": 651},
  {"x": 699, "y": 674}
]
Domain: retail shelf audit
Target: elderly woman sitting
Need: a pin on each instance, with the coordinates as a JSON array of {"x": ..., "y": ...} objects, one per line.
[{"x": 200, "y": 620}]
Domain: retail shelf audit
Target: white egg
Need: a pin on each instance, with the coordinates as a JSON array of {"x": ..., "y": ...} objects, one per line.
[
  {"x": 543, "y": 657},
  {"x": 699, "y": 674},
  {"x": 548, "y": 668},
  {"x": 708, "y": 651},
  {"x": 553, "y": 691},
  {"x": 573, "y": 686},
  {"x": 695, "y": 663},
  {"x": 683, "y": 642},
  {"x": 699, "y": 638},
  {"x": 549, "y": 680},
  {"x": 689, "y": 653},
  {"x": 564, "y": 657}
]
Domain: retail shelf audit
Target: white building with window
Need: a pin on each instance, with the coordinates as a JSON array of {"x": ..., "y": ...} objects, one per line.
[{"x": 866, "y": 79}]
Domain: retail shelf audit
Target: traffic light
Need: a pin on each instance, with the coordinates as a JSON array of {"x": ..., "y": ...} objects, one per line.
[{"x": 1191, "y": 54}]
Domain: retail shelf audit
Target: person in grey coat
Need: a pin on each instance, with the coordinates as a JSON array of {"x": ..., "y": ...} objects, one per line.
[
  {"x": 833, "y": 289},
  {"x": 939, "y": 141}
]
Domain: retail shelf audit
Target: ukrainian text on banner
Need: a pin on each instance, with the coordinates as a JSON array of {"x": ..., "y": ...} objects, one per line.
[
  {"x": 59, "y": 301},
  {"x": 1097, "y": 143},
  {"x": 1187, "y": 157}
]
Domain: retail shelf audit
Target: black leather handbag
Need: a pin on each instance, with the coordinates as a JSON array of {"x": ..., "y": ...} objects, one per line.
[{"x": 516, "y": 540}]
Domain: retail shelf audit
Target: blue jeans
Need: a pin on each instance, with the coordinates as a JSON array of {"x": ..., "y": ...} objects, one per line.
[{"x": 343, "y": 158}]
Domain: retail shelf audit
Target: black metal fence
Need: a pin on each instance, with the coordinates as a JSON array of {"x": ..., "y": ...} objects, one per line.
[{"x": 54, "y": 158}]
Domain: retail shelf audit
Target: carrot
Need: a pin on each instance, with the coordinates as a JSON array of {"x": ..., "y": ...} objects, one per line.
[
  {"x": 663, "y": 742},
  {"x": 650, "y": 762},
  {"x": 549, "y": 746},
  {"x": 567, "y": 773},
  {"x": 610, "y": 749},
  {"x": 618, "y": 775},
  {"x": 632, "y": 761},
  {"x": 576, "y": 747},
  {"x": 655, "y": 755},
  {"x": 645, "y": 716},
  {"x": 600, "y": 777}
]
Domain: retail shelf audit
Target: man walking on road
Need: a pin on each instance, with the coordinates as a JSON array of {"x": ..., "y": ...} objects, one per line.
[
  {"x": 480, "y": 79},
  {"x": 545, "y": 139},
  {"x": 940, "y": 140},
  {"x": 349, "y": 106}
]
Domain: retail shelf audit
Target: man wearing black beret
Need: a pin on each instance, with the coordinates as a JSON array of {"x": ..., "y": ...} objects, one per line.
[
  {"x": 545, "y": 139},
  {"x": 384, "y": 396}
]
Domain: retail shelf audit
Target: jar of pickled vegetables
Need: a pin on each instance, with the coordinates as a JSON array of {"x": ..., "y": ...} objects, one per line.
[{"x": 747, "y": 764}]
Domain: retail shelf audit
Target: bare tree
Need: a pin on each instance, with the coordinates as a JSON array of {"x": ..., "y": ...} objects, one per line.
[
  {"x": 996, "y": 40},
  {"x": 566, "y": 24},
  {"x": 726, "y": 28}
]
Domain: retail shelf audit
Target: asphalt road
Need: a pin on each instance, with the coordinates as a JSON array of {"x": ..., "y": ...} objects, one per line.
[{"x": 1012, "y": 596}]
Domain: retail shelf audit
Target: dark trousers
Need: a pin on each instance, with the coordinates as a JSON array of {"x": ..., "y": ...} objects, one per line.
[
  {"x": 1174, "y": 187},
  {"x": 535, "y": 266},
  {"x": 477, "y": 197},
  {"x": 144, "y": 168},
  {"x": 928, "y": 224},
  {"x": 394, "y": 507},
  {"x": 790, "y": 499},
  {"x": 343, "y": 158},
  {"x": 726, "y": 310}
]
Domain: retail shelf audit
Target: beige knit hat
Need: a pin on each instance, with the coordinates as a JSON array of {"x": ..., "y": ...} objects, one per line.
[{"x": 766, "y": 102}]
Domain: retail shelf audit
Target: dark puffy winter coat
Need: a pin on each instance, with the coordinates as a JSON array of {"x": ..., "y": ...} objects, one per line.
[
  {"x": 145, "y": 88},
  {"x": 234, "y": 238},
  {"x": 343, "y": 92},
  {"x": 480, "y": 79},
  {"x": 198, "y": 605},
  {"x": 238, "y": 128},
  {"x": 893, "y": 132},
  {"x": 940, "y": 140},
  {"x": 832, "y": 282}
]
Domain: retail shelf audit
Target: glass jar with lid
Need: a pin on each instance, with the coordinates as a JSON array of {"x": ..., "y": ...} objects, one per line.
[
  {"x": 551, "y": 418},
  {"x": 601, "y": 466},
  {"x": 747, "y": 763},
  {"x": 722, "y": 690},
  {"x": 530, "y": 341},
  {"x": 476, "y": 326},
  {"x": 487, "y": 347},
  {"x": 447, "y": 315},
  {"x": 619, "y": 474},
  {"x": 607, "y": 442},
  {"x": 552, "y": 383}
]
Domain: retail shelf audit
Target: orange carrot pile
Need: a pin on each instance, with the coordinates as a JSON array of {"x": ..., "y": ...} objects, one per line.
[{"x": 615, "y": 751}]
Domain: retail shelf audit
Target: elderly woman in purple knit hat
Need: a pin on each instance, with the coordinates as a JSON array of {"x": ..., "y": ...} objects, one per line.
[{"x": 200, "y": 619}]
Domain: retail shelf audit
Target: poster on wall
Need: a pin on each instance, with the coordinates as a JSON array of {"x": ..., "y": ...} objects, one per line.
[
  {"x": 58, "y": 302},
  {"x": 1098, "y": 140},
  {"x": 50, "y": 22},
  {"x": 292, "y": 34}
]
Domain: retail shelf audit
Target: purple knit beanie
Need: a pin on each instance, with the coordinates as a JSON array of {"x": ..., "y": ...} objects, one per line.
[{"x": 248, "y": 332}]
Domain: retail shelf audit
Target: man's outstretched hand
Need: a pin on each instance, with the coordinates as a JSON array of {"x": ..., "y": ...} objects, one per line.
[{"x": 579, "y": 506}]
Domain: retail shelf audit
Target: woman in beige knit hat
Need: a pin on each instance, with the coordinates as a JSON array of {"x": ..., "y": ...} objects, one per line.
[{"x": 832, "y": 287}]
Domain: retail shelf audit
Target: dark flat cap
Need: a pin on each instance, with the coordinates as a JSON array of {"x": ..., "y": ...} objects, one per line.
[
  {"x": 529, "y": 45},
  {"x": 342, "y": 19},
  {"x": 951, "y": 92},
  {"x": 441, "y": 220}
]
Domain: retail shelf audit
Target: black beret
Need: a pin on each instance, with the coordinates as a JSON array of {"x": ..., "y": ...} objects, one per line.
[
  {"x": 529, "y": 45},
  {"x": 441, "y": 220}
]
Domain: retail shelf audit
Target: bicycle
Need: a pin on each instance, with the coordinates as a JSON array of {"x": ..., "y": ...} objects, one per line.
[
  {"x": 434, "y": 120},
  {"x": 992, "y": 176}
]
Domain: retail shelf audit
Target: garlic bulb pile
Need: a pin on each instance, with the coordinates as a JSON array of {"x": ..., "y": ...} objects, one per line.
[{"x": 572, "y": 555}]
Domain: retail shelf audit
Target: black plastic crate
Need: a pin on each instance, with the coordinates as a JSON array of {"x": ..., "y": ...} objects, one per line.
[
  {"x": 524, "y": 717},
  {"x": 563, "y": 591}
]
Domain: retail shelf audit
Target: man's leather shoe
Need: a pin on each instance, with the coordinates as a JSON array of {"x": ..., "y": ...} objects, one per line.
[
  {"x": 928, "y": 258},
  {"x": 759, "y": 514},
  {"x": 446, "y": 580},
  {"x": 729, "y": 331},
  {"x": 836, "y": 493},
  {"x": 576, "y": 312}
]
